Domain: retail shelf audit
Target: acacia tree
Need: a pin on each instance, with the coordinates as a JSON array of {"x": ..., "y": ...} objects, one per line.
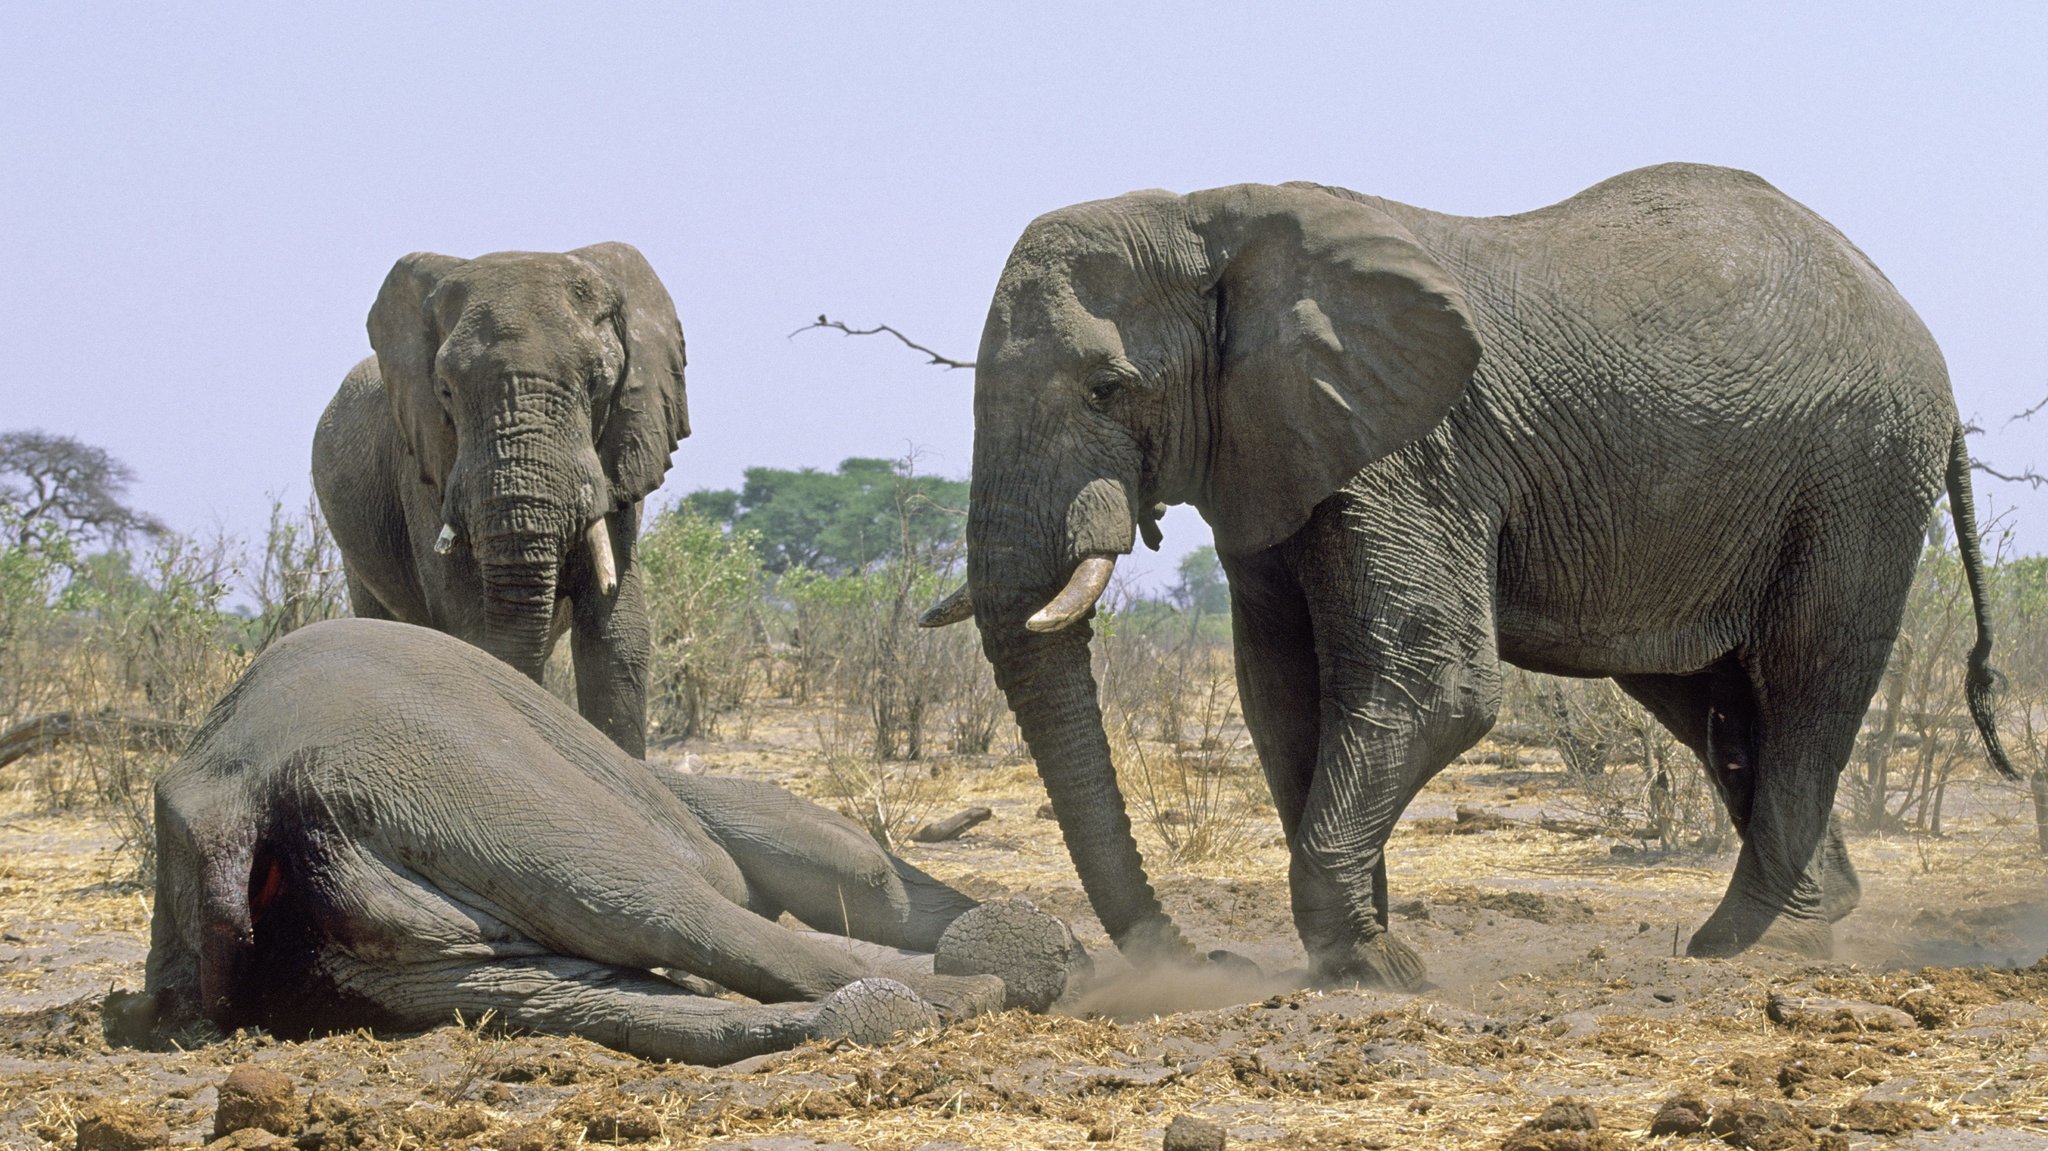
[{"x": 56, "y": 486}]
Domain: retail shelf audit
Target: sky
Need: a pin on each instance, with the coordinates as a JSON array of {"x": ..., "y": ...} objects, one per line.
[{"x": 199, "y": 202}]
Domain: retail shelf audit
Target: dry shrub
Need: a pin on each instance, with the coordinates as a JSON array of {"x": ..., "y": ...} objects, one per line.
[
  {"x": 1627, "y": 773},
  {"x": 1170, "y": 707}
]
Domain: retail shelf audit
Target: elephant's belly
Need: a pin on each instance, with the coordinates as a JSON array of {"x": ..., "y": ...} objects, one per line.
[{"x": 1561, "y": 638}]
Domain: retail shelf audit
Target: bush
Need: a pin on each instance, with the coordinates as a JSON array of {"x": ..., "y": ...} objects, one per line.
[{"x": 704, "y": 603}]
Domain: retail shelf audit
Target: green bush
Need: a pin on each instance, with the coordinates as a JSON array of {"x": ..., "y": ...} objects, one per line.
[{"x": 704, "y": 595}]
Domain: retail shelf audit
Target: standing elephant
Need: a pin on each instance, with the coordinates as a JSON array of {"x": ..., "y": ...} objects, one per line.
[
  {"x": 1675, "y": 430},
  {"x": 483, "y": 471},
  {"x": 383, "y": 826}
]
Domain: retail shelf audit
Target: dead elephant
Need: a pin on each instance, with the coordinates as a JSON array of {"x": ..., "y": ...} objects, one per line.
[{"x": 383, "y": 826}]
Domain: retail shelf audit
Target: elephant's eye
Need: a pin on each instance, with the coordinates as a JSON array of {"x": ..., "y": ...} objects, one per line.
[{"x": 1103, "y": 385}]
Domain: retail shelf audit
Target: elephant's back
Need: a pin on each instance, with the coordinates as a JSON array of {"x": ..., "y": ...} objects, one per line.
[{"x": 1688, "y": 380}]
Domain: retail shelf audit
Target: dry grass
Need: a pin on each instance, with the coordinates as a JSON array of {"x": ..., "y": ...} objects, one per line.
[{"x": 1525, "y": 1009}]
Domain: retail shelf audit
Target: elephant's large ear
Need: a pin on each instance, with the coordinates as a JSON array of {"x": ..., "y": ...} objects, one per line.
[
  {"x": 650, "y": 412},
  {"x": 1340, "y": 340},
  {"x": 405, "y": 337}
]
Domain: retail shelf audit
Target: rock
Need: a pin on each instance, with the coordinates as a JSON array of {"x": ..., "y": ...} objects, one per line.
[
  {"x": 116, "y": 1125},
  {"x": 258, "y": 1097},
  {"x": 1187, "y": 1133},
  {"x": 1820, "y": 1013},
  {"x": 951, "y": 827},
  {"x": 1680, "y": 1115}
]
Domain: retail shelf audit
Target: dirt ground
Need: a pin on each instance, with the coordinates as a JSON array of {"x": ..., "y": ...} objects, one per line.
[{"x": 1552, "y": 955}]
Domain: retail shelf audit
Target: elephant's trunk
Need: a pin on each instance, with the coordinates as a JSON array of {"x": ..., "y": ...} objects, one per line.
[
  {"x": 519, "y": 590},
  {"x": 1050, "y": 687},
  {"x": 1031, "y": 602}
]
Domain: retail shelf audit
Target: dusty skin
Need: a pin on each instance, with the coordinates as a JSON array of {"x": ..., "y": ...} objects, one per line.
[{"x": 1551, "y": 955}]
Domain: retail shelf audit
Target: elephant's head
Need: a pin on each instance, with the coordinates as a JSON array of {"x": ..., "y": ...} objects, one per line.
[
  {"x": 1247, "y": 350},
  {"x": 538, "y": 393}
]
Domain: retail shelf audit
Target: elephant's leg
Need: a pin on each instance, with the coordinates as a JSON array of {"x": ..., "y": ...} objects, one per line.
[
  {"x": 363, "y": 603},
  {"x": 1814, "y": 673},
  {"x": 611, "y": 642},
  {"x": 1278, "y": 684},
  {"x": 1410, "y": 678},
  {"x": 628, "y": 1010},
  {"x": 818, "y": 865}
]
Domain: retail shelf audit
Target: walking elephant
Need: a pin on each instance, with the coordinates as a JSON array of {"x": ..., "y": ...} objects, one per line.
[
  {"x": 380, "y": 825},
  {"x": 1675, "y": 430},
  {"x": 483, "y": 471}
]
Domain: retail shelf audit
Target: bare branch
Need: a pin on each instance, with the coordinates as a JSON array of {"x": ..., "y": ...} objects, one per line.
[
  {"x": 2029, "y": 476},
  {"x": 936, "y": 360},
  {"x": 2026, "y": 415}
]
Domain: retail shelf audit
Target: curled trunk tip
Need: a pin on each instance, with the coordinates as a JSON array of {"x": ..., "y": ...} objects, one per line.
[
  {"x": 1084, "y": 587},
  {"x": 957, "y": 606}
]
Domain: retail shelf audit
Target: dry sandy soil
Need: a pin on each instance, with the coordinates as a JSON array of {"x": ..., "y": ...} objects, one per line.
[{"x": 1552, "y": 956}]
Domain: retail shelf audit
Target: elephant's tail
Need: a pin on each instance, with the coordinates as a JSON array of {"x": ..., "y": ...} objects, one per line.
[{"x": 1982, "y": 680}]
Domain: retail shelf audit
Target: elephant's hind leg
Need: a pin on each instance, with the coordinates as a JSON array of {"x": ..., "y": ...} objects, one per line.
[
  {"x": 818, "y": 865},
  {"x": 629, "y": 1010},
  {"x": 1821, "y": 651}
]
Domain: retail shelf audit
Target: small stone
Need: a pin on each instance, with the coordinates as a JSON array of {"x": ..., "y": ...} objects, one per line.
[
  {"x": 1187, "y": 1133},
  {"x": 1680, "y": 1115},
  {"x": 113, "y": 1125},
  {"x": 258, "y": 1097}
]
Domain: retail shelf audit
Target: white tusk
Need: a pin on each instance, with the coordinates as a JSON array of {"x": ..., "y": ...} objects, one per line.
[
  {"x": 954, "y": 608},
  {"x": 444, "y": 541},
  {"x": 599, "y": 537},
  {"x": 1083, "y": 588}
]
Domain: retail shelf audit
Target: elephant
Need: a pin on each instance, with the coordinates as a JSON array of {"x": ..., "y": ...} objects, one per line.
[
  {"x": 1674, "y": 430},
  {"x": 380, "y": 825},
  {"x": 483, "y": 472}
]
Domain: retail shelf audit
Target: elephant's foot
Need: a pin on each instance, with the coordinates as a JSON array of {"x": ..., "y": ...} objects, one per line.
[
  {"x": 872, "y": 1011},
  {"x": 1733, "y": 929},
  {"x": 1377, "y": 960},
  {"x": 958, "y": 996},
  {"x": 1034, "y": 954}
]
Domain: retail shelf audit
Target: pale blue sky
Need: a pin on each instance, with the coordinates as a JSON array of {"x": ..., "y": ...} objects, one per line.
[{"x": 197, "y": 204}]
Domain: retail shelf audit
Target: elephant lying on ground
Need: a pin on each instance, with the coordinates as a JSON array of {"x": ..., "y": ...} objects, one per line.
[
  {"x": 1675, "y": 430},
  {"x": 483, "y": 471},
  {"x": 380, "y": 825}
]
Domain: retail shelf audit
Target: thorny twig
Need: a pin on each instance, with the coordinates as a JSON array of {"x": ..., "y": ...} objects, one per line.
[{"x": 937, "y": 360}]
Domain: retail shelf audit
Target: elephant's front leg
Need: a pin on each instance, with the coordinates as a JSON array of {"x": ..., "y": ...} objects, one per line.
[
  {"x": 1408, "y": 681},
  {"x": 612, "y": 643}
]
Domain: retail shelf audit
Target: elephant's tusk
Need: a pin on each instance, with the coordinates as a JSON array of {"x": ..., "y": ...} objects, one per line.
[
  {"x": 1083, "y": 588},
  {"x": 599, "y": 537},
  {"x": 955, "y": 607},
  {"x": 445, "y": 541}
]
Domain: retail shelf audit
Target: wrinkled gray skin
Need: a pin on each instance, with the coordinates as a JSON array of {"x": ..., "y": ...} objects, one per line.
[
  {"x": 1675, "y": 430},
  {"x": 380, "y": 825},
  {"x": 519, "y": 399}
]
